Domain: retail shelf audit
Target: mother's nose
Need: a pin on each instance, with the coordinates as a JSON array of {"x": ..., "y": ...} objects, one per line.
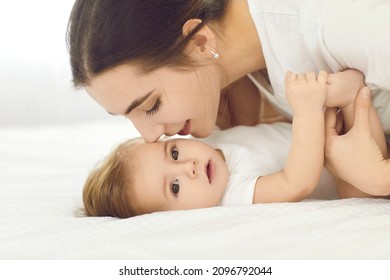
[{"x": 151, "y": 133}]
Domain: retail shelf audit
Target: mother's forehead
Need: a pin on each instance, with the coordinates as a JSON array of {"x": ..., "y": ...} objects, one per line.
[{"x": 114, "y": 78}]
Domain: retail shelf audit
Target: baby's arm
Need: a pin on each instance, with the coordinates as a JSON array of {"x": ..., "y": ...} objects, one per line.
[{"x": 306, "y": 95}]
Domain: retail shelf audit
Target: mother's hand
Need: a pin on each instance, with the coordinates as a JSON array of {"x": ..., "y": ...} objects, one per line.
[{"x": 355, "y": 157}]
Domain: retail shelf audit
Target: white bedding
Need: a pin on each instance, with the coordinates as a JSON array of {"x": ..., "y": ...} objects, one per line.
[{"x": 42, "y": 170}]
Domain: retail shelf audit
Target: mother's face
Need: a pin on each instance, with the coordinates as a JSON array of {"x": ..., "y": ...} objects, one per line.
[{"x": 164, "y": 101}]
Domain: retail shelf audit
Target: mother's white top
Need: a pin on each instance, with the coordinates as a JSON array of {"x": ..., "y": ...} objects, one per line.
[{"x": 330, "y": 35}]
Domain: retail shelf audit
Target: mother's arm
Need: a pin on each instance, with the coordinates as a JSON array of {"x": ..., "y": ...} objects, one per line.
[{"x": 355, "y": 157}]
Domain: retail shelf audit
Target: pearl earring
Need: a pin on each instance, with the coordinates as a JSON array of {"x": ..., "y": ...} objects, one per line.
[{"x": 216, "y": 55}]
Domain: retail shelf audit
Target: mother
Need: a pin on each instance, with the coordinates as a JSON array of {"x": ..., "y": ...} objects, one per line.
[{"x": 163, "y": 64}]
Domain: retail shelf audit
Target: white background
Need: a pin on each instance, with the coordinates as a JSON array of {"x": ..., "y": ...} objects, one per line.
[{"x": 35, "y": 77}]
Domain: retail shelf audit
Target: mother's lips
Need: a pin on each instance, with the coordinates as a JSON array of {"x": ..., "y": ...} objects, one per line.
[{"x": 186, "y": 129}]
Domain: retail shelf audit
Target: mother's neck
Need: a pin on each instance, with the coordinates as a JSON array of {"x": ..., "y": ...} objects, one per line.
[{"x": 239, "y": 46}]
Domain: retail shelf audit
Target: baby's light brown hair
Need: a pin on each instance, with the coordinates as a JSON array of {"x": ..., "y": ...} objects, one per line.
[{"x": 108, "y": 189}]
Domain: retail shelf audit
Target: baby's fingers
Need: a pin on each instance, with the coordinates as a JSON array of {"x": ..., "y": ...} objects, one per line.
[
  {"x": 290, "y": 77},
  {"x": 301, "y": 77},
  {"x": 311, "y": 76},
  {"x": 322, "y": 77}
]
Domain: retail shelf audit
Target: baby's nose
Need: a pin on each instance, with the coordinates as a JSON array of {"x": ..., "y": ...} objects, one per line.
[{"x": 191, "y": 168}]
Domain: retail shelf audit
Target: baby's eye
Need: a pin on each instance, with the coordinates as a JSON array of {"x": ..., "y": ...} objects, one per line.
[
  {"x": 175, "y": 153},
  {"x": 175, "y": 187}
]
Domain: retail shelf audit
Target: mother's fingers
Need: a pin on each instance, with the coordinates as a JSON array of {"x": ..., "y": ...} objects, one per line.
[
  {"x": 362, "y": 108},
  {"x": 330, "y": 121}
]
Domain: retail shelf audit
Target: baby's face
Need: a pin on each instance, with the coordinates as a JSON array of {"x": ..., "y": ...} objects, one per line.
[{"x": 178, "y": 174}]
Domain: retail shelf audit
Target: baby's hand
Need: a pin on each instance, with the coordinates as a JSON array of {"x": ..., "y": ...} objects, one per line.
[
  {"x": 342, "y": 88},
  {"x": 306, "y": 92}
]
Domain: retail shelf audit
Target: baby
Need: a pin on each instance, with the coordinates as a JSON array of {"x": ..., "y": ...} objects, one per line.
[{"x": 278, "y": 162}]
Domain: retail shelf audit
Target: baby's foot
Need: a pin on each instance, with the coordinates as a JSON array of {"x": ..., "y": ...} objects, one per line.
[{"x": 342, "y": 88}]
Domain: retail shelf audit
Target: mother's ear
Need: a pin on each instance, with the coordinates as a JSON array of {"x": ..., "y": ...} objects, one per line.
[{"x": 202, "y": 44}]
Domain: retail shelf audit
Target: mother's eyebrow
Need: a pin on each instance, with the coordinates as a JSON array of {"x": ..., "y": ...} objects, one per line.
[{"x": 137, "y": 102}]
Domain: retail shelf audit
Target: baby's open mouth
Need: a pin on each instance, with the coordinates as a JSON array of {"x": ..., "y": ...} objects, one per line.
[{"x": 209, "y": 168}]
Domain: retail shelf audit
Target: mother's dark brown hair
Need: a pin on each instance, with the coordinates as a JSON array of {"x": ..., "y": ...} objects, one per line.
[{"x": 105, "y": 33}]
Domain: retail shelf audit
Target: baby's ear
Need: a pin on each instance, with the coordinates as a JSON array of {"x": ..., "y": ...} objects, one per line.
[{"x": 201, "y": 43}]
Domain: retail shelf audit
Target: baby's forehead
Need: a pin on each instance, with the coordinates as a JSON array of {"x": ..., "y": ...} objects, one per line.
[
  {"x": 134, "y": 146},
  {"x": 177, "y": 139}
]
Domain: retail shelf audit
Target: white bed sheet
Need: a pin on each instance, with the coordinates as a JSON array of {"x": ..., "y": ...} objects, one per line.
[{"x": 42, "y": 171}]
